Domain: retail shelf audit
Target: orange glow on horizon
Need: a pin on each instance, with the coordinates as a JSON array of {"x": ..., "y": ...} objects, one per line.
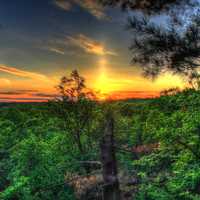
[
  {"x": 110, "y": 84},
  {"x": 122, "y": 95}
]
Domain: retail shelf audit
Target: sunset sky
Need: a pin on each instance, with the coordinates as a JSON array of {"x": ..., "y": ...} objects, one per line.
[{"x": 42, "y": 40}]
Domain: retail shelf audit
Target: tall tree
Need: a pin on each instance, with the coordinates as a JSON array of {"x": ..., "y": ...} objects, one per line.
[
  {"x": 75, "y": 107},
  {"x": 73, "y": 88}
]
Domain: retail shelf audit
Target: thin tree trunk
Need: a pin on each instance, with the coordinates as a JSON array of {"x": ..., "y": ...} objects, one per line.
[
  {"x": 111, "y": 189},
  {"x": 78, "y": 142}
]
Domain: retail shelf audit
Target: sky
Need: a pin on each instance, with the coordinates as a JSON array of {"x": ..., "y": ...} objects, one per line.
[{"x": 43, "y": 40}]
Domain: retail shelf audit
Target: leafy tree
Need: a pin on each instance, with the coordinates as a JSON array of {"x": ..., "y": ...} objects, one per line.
[
  {"x": 158, "y": 49},
  {"x": 76, "y": 107},
  {"x": 171, "y": 91},
  {"x": 73, "y": 88}
]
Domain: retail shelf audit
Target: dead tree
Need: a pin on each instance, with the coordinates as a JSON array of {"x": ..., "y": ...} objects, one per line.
[{"x": 111, "y": 189}]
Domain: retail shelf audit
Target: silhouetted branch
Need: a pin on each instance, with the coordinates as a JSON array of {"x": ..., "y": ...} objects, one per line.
[
  {"x": 157, "y": 49},
  {"x": 148, "y": 6}
]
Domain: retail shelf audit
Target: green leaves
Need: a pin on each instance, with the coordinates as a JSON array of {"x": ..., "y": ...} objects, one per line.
[
  {"x": 38, "y": 149},
  {"x": 18, "y": 186}
]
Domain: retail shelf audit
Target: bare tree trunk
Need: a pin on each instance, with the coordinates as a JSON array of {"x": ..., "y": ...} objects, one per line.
[
  {"x": 111, "y": 189},
  {"x": 78, "y": 142}
]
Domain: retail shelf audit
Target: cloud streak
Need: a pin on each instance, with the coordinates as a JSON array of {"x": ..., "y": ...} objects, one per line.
[
  {"x": 17, "y": 92},
  {"x": 22, "y": 99},
  {"x": 91, "y": 6},
  {"x": 25, "y": 95},
  {"x": 63, "y": 4},
  {"x": 89, "y": 45},
  {"x": 22, "y": 73},
  {"x": 56, "y": 50}
]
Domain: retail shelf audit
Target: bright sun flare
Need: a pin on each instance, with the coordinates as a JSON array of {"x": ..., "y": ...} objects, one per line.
[{"x": 102, "y": 81}]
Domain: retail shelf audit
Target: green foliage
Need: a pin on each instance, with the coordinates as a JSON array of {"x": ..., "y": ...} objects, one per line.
[
  {"x": 36, "y": 153},
  {"x": 171, "y": 172},
  {"x": 38, "y": 146}
]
